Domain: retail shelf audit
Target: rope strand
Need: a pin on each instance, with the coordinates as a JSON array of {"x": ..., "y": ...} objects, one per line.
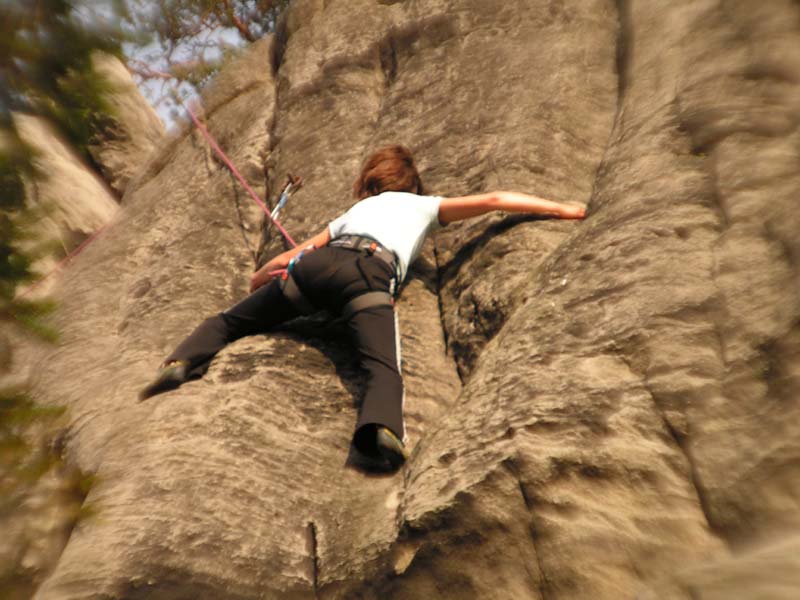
[
  {"x": 213, "y": 143},
  {"x": 215, "y": 146},
  {"x": 60, "y": 264}
]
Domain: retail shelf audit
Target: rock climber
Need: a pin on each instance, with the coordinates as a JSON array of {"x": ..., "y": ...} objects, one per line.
[{"x": 353, "y": 268}]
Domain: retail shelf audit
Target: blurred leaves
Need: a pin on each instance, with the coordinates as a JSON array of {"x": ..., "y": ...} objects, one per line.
[
  {"x": 46, "y": 49},
  {"x": 19, "y": 462},
  {"x": 41, "y": 498},
  {"x": 180, "y": 44}
]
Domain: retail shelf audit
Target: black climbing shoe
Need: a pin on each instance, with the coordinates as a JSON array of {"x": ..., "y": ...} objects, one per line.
[
  {"x": 391, "y": 447},
  {"x": 169, "y": 377}
]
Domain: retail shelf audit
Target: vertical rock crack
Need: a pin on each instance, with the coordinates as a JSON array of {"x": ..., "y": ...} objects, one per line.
[
  {"x": 694, "y": 476},
  {"x": 512, "y": 468},
  {"x": 311, "y": 533},
  {"x": 624, "y": 45},
  {"x": 622, "y": 63},
  {"x": 441, "y": 310}
]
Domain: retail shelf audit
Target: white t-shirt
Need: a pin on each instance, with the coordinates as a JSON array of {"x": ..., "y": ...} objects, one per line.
[{"x": 399, "y": 221}]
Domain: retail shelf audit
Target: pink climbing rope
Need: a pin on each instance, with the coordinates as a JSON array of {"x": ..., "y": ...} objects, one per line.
[
  {"x": 213, "y": 143},
  {"x": 60, "y": 264}
]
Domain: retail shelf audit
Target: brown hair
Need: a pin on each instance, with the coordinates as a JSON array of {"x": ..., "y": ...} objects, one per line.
[{"x": 388, "y": 169}]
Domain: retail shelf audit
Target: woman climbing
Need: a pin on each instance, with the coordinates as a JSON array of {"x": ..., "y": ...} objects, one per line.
[{"x": 353, "y": 268}]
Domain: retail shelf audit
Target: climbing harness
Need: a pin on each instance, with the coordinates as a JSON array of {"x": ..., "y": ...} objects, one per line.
[
  {"x": 371, "y": 246},
  {"x": 365, "y": 301},
  {"x": 361, "y": 302},
  {"x": 362, "y": 243}
]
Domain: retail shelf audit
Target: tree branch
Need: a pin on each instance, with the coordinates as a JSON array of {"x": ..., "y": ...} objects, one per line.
[
  {"x": 236, "y": 22},
  {"x": 143, "y": 70}
]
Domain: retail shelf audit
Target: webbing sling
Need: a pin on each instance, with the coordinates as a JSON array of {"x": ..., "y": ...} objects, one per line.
[
  {"x": 371, "y": 246},
  {"x": 293, "y": 294},
  {"x": 365, "y": 301}
]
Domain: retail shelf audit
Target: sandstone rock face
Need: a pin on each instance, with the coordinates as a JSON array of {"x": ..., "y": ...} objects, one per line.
[
  {"x": 71, "y": 200},
  {"x": 127, "y": 139},
  {"x": 597, "y": 409}
]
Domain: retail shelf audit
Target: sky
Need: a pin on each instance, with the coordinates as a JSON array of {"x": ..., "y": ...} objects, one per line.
[{"x": 158, "y": 92}]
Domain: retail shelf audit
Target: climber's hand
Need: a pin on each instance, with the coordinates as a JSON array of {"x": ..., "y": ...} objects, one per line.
[
  {"x": 265, "y": 274},
  {"x": 258, "y": 279},
  {"x": 280, "y": 262},
  {"x": 571, "y": 211}
]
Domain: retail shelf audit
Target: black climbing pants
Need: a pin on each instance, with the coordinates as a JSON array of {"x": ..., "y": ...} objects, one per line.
[{"x": 329, "y": 278}]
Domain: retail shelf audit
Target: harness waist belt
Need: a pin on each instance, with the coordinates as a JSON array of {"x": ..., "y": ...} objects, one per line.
[
  {"x": 356, "y": 305},
  {"x": 361, "y": 302},
  {"x": 362, "y": 242}
]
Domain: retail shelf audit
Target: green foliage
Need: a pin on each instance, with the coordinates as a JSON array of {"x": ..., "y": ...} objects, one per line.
[
  {"x": 16, "y": 163},
  {"x": 46, "y": 49},
  {"x": 19, "y": 462},
  {"x": 45, "y": 65},
  {"x": 14, "y": 267},
  {"x": 27, "y": 458},
  {"x": 180, "y": 44}
]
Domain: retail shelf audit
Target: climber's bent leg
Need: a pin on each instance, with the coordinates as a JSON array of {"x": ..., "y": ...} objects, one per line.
[
  {"x": 377, "y": 340},
  {"x": 261, "y": 310}
]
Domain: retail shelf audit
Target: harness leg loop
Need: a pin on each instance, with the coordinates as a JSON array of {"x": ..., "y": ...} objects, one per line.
[{"x": 365, "y": 301}]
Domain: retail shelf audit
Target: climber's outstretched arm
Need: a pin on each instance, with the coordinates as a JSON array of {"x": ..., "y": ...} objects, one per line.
[
  {"x": 262, "y": 276},
  {"x": 456, "y": 209}
]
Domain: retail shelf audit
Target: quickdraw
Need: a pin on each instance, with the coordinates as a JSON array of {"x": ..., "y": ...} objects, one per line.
[
  {"x": 293, "y": 182},
  {"x": 292, "y": 185},
  {"x": 288, "y": 285}
]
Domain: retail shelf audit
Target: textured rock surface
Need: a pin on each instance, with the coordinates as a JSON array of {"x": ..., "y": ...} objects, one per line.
[
  {"x": 71, "y": 200},
  {"x": 125, "y": 140},
  {"x": 626, "y": 416}
]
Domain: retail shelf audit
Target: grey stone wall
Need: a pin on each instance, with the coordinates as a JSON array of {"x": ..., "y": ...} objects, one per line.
[{"x": 597, "y": 409}]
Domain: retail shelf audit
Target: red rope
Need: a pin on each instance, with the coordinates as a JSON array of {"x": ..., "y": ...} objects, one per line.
[
  {"x": 212, "y": 142},
  {"x": 65, "y": 260}
]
